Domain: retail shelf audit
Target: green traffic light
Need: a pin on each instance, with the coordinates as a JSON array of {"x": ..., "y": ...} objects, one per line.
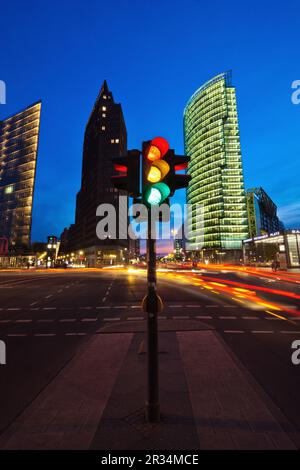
[{"x": 157, "y": 193}]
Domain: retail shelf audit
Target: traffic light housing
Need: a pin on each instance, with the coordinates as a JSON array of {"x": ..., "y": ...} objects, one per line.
[
  {"x": 155, "y": 170},
  {"x": 160, "y": 165},
  {"x": 177, "y": 163},
  {"x": 128, "y": 173}
]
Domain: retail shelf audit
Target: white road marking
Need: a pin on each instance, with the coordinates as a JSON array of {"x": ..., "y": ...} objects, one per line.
[
  {"x": 120, "y": 306},
  {"x": 49, "y": 308},
  {"x": 134, "y": 318},
  {"x": 75, "y": 334},
  {"x": 193, "y": 306},
  {"x": 112, "y": 319},
  {"x": 205, "y": 317},
  {"x": 229, "y": 306},
  {"x": 33, "y": 303},
  {"x": 14, "y": 308},
  {"x": 175, "y": 306},
  {"x": 290, "y": 332},
  {"x": 67, "y": 319},
  {"x": 44, "y": 334},
  {"x": 227, "y": 317},
  {"x": 5, "y": 321},
  {"x": 48, "y": 296},
  {"x": 261, "y": 332},
  {"x": 212, "y": 306},
  {"x": 85, "y": 308},
  {"x": 104, "y": 299},
  {"x": 59, "y": 291},
  {"x": 250, "y": 318},
  {"x": 23, "y": 321},
  {"x": 98, "y": 308},
  {"x": 89, "y": 319},
  {"x": 34, "y": 309},
  {"x": 16, "y": 334},
  {"x": 139, "y": 306},
  {"x": 234, "y": 331}
]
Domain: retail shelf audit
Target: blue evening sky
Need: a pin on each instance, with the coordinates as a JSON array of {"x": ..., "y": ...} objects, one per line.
[{"x": 154, "y": 55}]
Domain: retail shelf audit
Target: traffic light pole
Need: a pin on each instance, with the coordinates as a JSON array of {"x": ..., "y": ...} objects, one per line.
[{"x": 152, "y": 404}]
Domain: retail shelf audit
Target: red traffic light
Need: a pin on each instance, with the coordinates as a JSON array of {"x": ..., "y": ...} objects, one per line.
[
  {"x": 181, "y": 166},
  {"x": 120, "y": 168},
  {"x": 157, "y": 148}
]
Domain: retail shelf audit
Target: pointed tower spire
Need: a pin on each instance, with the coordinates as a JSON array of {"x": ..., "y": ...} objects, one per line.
[
  {"x": 104, "y": 88},
  {"x": 104, "y": 91}
]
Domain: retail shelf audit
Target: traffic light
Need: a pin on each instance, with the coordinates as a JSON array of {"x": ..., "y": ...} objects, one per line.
[
  {"x": 155, "y": 171},
  {"x": 176, "y": 163},
  {"x": 160, "y": 166},
  {"x": 128, "y": 177}
]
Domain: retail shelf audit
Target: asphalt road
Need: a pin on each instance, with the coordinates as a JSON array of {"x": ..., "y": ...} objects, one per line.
[{"x": 46, "y": 316}]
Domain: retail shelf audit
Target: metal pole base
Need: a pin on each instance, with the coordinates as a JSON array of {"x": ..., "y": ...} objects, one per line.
[{"x": 152, "y": 412}]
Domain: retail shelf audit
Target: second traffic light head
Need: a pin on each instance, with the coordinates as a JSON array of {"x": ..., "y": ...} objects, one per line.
[{"x": 128, "y": 173}]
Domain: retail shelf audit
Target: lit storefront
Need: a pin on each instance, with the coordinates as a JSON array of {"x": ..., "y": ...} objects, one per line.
[{"x": 281, "y": 246}]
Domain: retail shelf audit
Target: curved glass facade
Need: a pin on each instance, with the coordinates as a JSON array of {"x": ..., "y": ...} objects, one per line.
[
  {"x": 19, "y": 135},
  {"x": 211, "y": 136}
]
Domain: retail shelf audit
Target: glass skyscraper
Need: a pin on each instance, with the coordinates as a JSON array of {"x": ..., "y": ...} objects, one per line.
[
  {"x": 212, "y": 141},
  {"x": 19, "y": 135}
]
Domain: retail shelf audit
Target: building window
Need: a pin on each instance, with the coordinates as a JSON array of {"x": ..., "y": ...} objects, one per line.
[
  {"x": 8, "y": 189},
  {"x": 104, "y": 97},
  {"x": 103, "y": 115},
  {"x": 112, "y": 141},
  {"x": 103, "y": 108},
  {"x": 117, "y": 141},
  {"x": 103, "y": 128}
]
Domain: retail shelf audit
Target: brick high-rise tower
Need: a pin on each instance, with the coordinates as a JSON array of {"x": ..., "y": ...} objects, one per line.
[{"x": 105, "y": 137}]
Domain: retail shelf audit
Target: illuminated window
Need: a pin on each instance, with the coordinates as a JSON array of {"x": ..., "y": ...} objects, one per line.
[
  {"x": 103, "y": 128},
  {"x": 9, "y": 189},
  {"x": 117, "y": 141},
  {"x": 104, "y": 97},
  {"x": 103, "y": 108},
  {"x": 103, "y": 115}
]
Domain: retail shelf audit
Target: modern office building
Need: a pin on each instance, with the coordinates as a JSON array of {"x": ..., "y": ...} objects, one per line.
[
  {"x": 105, "y": 138},
  {"x": 211, "y": 137},
  {"x": 283, "y": 247},
  {"x": 19, "y": 136},
  {"x": 262, "y": 213}
]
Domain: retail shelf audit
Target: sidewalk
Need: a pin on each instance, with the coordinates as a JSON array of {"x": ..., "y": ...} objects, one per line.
[{"x": 208, "y": 400}]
